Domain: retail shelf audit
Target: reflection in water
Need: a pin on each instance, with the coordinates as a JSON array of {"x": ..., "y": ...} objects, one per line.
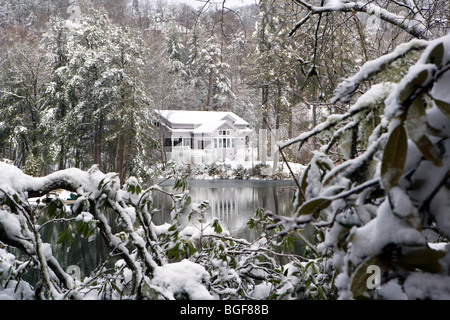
[
  {"x": 87, "y": 254},
  {"x": 232, "y": 202}
]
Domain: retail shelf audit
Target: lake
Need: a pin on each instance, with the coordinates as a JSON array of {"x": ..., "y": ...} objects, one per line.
[{"x": 234, "y": 202}]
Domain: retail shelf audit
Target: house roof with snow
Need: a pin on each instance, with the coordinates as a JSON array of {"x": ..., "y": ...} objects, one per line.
[
  {"x": 210, "y": 126},
  {"x": 202, "y": 121}
]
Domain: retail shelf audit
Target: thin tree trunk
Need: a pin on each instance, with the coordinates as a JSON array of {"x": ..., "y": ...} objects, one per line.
[
  {"x": 97, "y": 141},
  {"x": 208, "y": 98},
  {"x": 263, "y": 132},
  {"x": 62, "y": 162},
  {"x": 120, "y": 160}
]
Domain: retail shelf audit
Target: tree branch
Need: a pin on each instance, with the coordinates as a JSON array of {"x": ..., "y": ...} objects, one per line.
[
  {"x": 347, "y": 87},
  {"x": 412, "y": 26}
]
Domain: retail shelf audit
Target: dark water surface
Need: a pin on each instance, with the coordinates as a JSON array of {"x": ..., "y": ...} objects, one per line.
[{"x": 234, "y": 202}]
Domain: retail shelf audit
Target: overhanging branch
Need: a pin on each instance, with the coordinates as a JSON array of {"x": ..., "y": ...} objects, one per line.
[{"x": 414, "y": 27}]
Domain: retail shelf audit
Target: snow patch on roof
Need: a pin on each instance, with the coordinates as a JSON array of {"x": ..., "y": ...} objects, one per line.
[
  {"x": 209, "y": 127},
  {"x": 199, "y": 117}
]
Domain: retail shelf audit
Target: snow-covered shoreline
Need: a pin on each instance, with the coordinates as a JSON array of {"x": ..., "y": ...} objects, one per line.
[{"x": 229, "y": 170}]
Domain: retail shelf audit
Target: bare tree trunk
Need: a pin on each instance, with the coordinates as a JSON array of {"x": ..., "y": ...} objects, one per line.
[
  {"x": 62, "y": 162},
  {"x": 263, "y": 131},
  {"x": 120, "y": 160},
  {"x": 265, "y": 100},
  {"x": 208, "y": 97},
  {"x": 278, "y": 107},
  {"x": 97, "y": 141}
]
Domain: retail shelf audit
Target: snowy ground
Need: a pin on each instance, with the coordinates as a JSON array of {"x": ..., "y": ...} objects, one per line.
[{"x": 296, "y": 167}]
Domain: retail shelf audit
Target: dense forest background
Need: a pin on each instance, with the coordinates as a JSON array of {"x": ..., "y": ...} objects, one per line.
[
  {"x": 79, "y": 79},
  {"x": 359, "y": 88}
]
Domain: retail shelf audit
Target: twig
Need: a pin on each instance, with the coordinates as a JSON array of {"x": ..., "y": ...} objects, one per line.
[
  {"x": 415, "y": 29},
  {"x": 54, "y": 220},
  {"x": 290, "y": 170}
]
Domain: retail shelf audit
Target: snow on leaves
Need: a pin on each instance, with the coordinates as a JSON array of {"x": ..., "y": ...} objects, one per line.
[
  {"x": 194, "y": 258},
  {"x": 376, "y": 204},
  {"x": 414, "y": 26}
]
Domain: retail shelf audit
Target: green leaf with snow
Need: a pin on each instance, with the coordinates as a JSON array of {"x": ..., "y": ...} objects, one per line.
[
  {"x": 84, "y": 229},
  {"x": 417, "y": 126},
  {"x": 191, "y": 248},
  {"x": 436, "y": 55},
  {"x": 394, "y": 157},
  {"x": 425, "y": 259},
  {"x": 313, "y": 206},
  {"x": 16, "y": 198},
  {"x": 412, "y": 86},
  {"x": 180, "y": 183},
  {"x": 443, "y": 106},
  {"x": 131, "y": 188},
  {"x": 174, "y": 252},
  {"x": 56, "y": 208},
  {"x": 115, "y": 287},
  {"x": 62, "y": 236},
  {"x": 217, "y": 228},
  {"x": 288, "y": 243},
  {"x": 303, "y": 185},
  {"x": 359, "y": 280},
  {"x": 65, "y": 235}
]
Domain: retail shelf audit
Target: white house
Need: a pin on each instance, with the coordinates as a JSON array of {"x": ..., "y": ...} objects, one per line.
[{"x": 204, "y": 136}]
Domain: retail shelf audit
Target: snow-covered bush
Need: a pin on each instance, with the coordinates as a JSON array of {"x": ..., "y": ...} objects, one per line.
[
  {"x": 386, "y": 186},
  {"x": 188, "y": 257}
]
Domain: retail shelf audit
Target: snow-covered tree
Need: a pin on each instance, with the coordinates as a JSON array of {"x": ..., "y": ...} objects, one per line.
[
  {"x": 208, "y": 73},
  {"x": 297, "y": 72},
  {"x": 22, "y": 99},
  {"x": 378, "y": 204},
  {"x": 174, "y": 49},
  {"x": 277, "y": 63},
  {"x": 99, "y": 103}
]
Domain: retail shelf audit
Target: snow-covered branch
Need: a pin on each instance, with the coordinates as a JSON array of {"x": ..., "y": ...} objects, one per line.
[
  {"x": 376, "y": 202},
  {"x": 166, "y": 261},
  {"x": 347, "y": 87},
  {"x": 374, "y": 95},
  {"x": 414, "y": 26}
]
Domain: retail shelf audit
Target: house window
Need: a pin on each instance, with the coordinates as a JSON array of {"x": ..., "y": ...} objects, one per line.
[
  {"x": 177, "y": 142},
  {"x": 182, "y": 142},
  {"x": 186, "y": 142},
  {"x": 224, "y": 143},
  {"x": 224, "y": 132},
  {"x": 200, "y": 144}
]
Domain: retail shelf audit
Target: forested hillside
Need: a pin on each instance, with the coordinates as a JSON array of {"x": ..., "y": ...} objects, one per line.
[
  {"x": 359, "y": 89},
  {"x": 79, "y": 79},
  {"x": 79, "y": 82}
]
